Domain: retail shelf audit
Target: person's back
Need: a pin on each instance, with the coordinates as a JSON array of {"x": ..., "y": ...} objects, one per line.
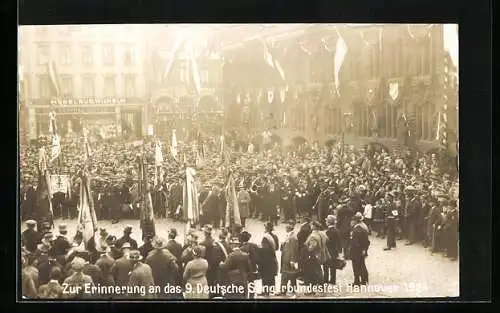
[{"x": 120, "y": 271}]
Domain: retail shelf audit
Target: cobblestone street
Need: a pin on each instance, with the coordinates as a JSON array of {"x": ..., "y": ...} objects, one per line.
[{"x": 407, "y": 271}]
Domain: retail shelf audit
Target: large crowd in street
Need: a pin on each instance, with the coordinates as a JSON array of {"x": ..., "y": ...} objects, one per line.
[{"x": 332, "y": 200}]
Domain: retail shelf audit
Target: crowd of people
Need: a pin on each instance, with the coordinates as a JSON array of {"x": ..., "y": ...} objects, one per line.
[{"x": 330, "y": 199}]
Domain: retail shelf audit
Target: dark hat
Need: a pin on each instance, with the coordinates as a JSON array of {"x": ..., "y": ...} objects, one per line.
[
  {"x": 207, "y": 229},
  {"x": 173, "y": 232},
  {"x": 269, "y": 226},
  {"x": 31, "y": 222},
  {"x": 316, "y": 224},
  {"x": 103, "y": 231},
  {"x": 197, "y": 251},
  {"x": 128, "y": 229},
  {"x": 245, "y": 236},
  {"x": 48, "y": 236}
]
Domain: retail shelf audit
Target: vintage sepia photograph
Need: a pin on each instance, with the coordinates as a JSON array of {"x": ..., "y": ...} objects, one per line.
[{"x": 238, "y": 161}]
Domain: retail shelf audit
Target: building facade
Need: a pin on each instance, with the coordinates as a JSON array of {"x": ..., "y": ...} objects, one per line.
[
  {"x": 394, "y": 80},
  {"x": 84, "y": 73}
]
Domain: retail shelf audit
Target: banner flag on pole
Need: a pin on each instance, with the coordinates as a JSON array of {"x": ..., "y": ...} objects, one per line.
[
  {"x": 191, "y": 210},
  {"x": 44, "y": 194},
  {"x": 271, "y": 61},
  {"x": 147, "y": 223},
  {"x": 158, "y": 153},
  {"x": 56, "y": 140},
  {"x": 340, "y": 52},
  {"x": 173, "y": 145},
  {"x": 232, "y": 208},
  {"x": 87, "y": 221}
]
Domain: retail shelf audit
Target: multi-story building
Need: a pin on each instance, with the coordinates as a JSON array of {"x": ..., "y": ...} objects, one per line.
[
  {"x": 177, "y": 59},
  {"x": 97, "y": 77},
  {"x": 394, "y": 80}
]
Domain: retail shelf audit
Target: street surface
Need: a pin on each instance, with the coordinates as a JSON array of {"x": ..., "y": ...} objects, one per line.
[{"x": 407, "y": 271}]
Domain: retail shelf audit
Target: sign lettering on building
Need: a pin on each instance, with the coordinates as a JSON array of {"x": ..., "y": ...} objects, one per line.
[
  {"x": 83, "y": 101},
  {"x": 76, "y": 110}
]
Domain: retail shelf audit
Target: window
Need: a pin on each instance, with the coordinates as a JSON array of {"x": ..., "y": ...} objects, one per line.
[
  {"x": 108, "y": 54},
  {"x": 130, "y": 86},
  {"x": 88, "y": 86},
  {"x": 67, "y": 85},
  {"x": 128, "y": 58},
  {"x": 42, "y": 54},
  {"x": 66, "y": 55},
  {"x": 44, "y": 86},
  {"x": 87, "y": 55},
  {"x": 109, "y": 86}
]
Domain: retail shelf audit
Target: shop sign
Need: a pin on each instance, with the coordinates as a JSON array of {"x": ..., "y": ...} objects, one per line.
[{"x": 92, "y": 100}]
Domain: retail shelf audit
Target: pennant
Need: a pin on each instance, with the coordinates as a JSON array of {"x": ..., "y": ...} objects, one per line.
[
  {"x": 87, "y": 221},
  {"x": 272, "y": 62},
  {"x": 173, "y": 145},
  {"x": 340, "y": 52},
  {"x": 56, "y": 148},
  {"x": 394, "y": 91},
  {"x": 190, "y": 193}
]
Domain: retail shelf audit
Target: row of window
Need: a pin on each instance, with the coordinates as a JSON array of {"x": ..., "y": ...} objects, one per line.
[
  {"x": 88, "y": 86},
  {"x": 66, "y": 55}
]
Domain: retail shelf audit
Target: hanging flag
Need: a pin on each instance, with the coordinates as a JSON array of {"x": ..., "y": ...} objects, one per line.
[
  {"x": 158, "y": 153},
  {"x": 56, "y": 141},
  {"x": 194, "y": 66},
  {"x": 340, "y": 52},
  {"x": 44, "y": 205},
  {"x": 272, "y": 61},
  {"x": 54, "y": 78},
  {"x": 60, "y": 183},
  {"x": 190, "y": 193},
  {"x": 87, "y": 221},
  {"x": 232, "y": 209},
  {"x": 173, "y": 145},
  {"x": 179, "y": 43}
]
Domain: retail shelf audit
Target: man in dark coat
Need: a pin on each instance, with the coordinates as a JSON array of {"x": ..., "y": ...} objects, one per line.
[
  {"x": 253, "y": 252},
  {"x": 147, "y": 246},
  {"x": 359, "y": 250},
  {"x": 126, "y": 238},
  {"x": 122, "y": 267},
  {"x": 210, "y": 207},
  {"x": 208, "y": 243},
  {"x": 30, "y": 238},
  {"x": 344, "y": 217},
  {"x": 164, "y": 268},
  {"x": 61, "y": 243},
  {"x": 268, "y": 267},
  {"x": 334, "y": 247},
  {"x": 272, "y": 200},
  {"x": 105, "y": 263},
  {"x": 220, "y": 252},
  {"x": 321, "y": 207},
  {"x": 412, "y": 212},
  {"x": 176, "y": 249},
  {"x": 238, "y": 268},
  {"x": 451, "y": 231}
]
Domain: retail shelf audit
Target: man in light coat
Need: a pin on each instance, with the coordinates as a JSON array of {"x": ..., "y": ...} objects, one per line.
[{"x": 289, "y": 259}]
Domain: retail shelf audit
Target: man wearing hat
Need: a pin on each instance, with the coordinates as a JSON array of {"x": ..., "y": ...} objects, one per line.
[
  {"x": 45, "y": 246},
  {"x": 30, "y": 237},
  {"x": 359, "y": 250},
  {"x": 126, "y": 238},
  {"x": 122, "y": 267},
  {"x": 61, "y": 243},
  {"x": 208, "y": 244},
  {"x": 451, "y": 231},
  {"x": 238, "y": 269},
  {"x": 103, "y": 237},
  {"x": 147, "y": 246},
  {"x": 105, "y": 263},
  {"x": 289, "y": 258},
  {"x": 175, "y": 248},
  {"x": 253, "y": 253},
  {"x": 243, "y": 204},
  {"x": 141, "y": 274},
  {"x": 268, "y": 267},
  {"x": 333, "y": 245},
  {"x": 318, "y": 254},
  {"x": 344, "y": 217},
  {"x": 412, "y": 212},
  {"x": 164, "y": 267},
  {"x": 77, "y": 281}
]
